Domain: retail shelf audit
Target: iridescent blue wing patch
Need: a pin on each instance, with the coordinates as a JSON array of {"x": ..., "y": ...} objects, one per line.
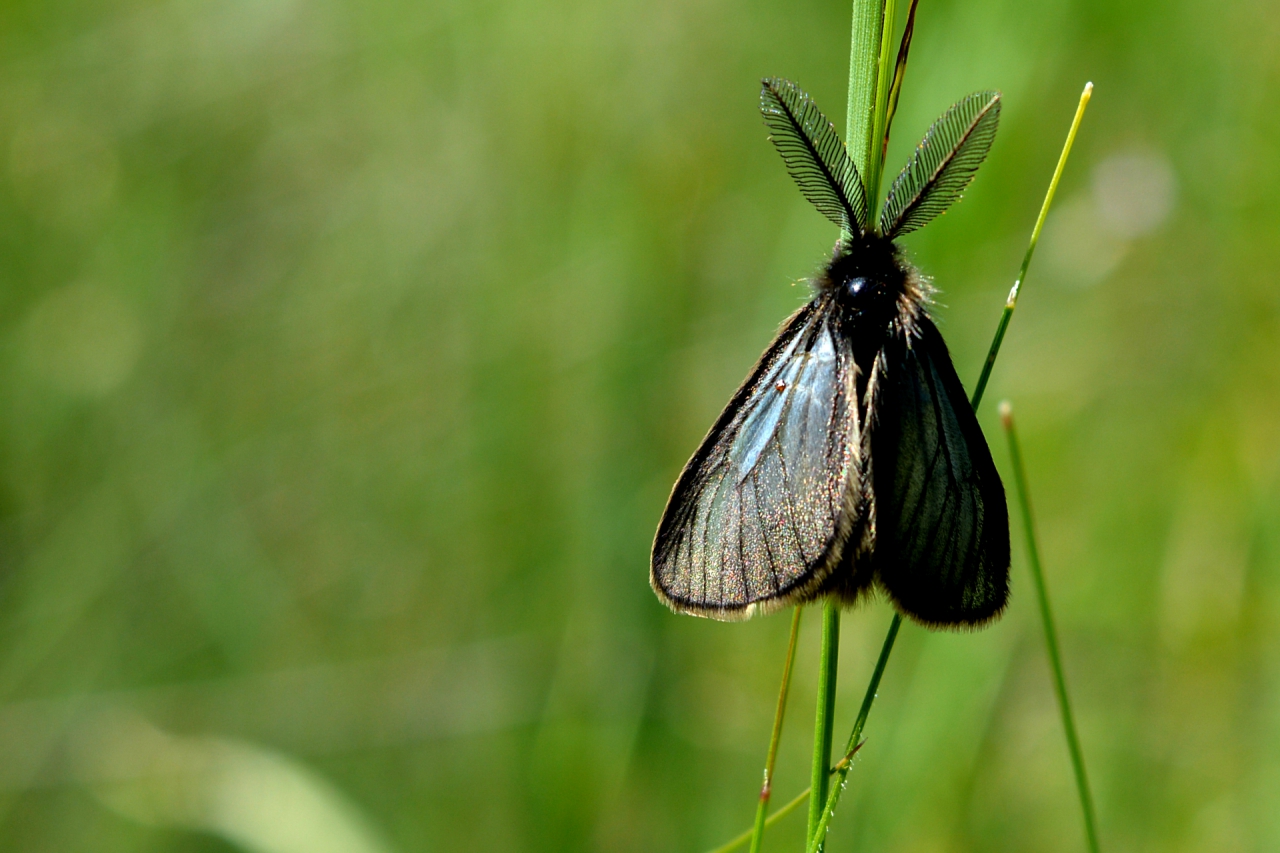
[
  {"x": 758, "y": 517},
  {"x": 941, "y": 524}
]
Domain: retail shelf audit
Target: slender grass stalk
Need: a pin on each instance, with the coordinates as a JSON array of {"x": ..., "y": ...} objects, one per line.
[
  {"x": 824, "y": 719},
  {"x": 741, "y": 840},
  {"x": 868, "y": 72},
  {"x": 864, "y": 77},
  {"x": 1050, "y": 633},
  {"x": 867, "y": 86},
  {"x": 1012, "y": 301},
  {"x": 842, "y": 769},
  {"x": 766, "y": 790},
  {"x": 884, "y": 82},
  {"x": 833, "y": 796}
]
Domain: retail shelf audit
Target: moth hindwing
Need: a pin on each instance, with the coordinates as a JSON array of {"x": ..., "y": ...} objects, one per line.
[
  {"x": 942, "y": 526},
  {"x": 943, "y": 164},
  {"x": 814, "y": 155}
]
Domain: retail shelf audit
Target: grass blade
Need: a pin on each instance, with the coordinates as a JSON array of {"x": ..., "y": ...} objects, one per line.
[
  {"x": 899, "y": 72},
  {"x": 865, "y": 42}
]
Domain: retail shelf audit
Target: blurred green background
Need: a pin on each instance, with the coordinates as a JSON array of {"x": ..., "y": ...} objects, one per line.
[{"x": 348, "y": 352}]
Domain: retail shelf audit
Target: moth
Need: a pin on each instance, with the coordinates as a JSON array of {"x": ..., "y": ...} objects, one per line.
[{"x": 850, "y": 458}]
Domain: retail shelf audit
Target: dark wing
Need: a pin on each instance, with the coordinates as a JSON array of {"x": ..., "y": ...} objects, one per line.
[
  {"x": 759, "y": 515},
  {"x": 943, "y": 165},
  {"x": 941, "y": 524},
  {"x": 815, "y": 157}
]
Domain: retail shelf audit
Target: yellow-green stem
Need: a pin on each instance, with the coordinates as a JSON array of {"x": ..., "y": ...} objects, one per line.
[
  {"x": 1012, "y": 301},
  {"x": 833, "y": 796}
]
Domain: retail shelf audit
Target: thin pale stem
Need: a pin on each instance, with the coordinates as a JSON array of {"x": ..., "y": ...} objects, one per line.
[
  {"x": 1012, "y": 301},
  {"x": 766, "y": 790},
  {"x": 824, "y": 719},
  {"x": 1050, "y": 633},
  {"x": 741, "y": 840}
]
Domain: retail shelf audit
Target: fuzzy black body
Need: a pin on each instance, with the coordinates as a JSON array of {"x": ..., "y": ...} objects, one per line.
[
  {"x": 938, "y": 524},
  {"x": 907, "y": 496},
  {"x": 850, "y": 457}
]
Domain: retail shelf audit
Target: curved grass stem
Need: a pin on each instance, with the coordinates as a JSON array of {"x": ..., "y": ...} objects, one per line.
[
  {"x": 1012, "y": 301},
  {"x": 1050, "y": 633}
]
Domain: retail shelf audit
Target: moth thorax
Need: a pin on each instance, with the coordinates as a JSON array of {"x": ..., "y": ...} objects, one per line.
[{"x": 866, "y": 270}]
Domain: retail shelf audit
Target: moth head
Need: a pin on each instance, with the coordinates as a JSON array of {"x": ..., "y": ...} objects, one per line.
[{"x": 857, "y": 285}]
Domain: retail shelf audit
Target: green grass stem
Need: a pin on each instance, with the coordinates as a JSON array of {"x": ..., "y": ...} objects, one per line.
[
  {"x": 833, "y": 796},
  {"x": 842, "y": 769},
  {"x": 766, "y": 790},
  {"x": 868, "y": 85},
  {"x": 1050, "y": 633},
  {"x": 741, "y": 840},
  {"x": 824, "y": 718},
  {"x": 1012, "y": 301},
  {"x": 884, "y": 83},
  {"x": 865, "y": 43}
]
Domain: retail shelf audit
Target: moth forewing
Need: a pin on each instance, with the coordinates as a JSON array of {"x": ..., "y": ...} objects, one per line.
[{"x": 760, "y": 514}]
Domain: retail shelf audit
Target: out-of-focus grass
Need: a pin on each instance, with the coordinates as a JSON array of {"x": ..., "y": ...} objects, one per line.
[{"x": 348, "y": 352}]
